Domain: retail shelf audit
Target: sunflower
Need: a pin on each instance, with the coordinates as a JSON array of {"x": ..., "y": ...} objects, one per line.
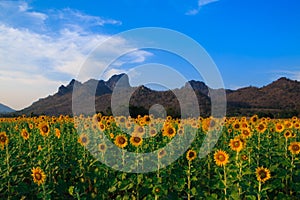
[
  {"x": 121, "y": 141},
  {"x": 254, "y": 119},
  {"x": 180, "y": 131},
  {"x": 102, "y": 147},
  {"x": 57, "y": 133},
  {"x": 25, "y": 134},
  {"x": 140, "y": 130},
  {"x": 38, "y": 175},
  {"x": 294, "y": 147},
  {"x": 157, "y": 190},
  {"x": 44, "y": 129},
  {"x": 236, "y": 126},
  {"x": 236, "y": 144},
  {"x": 221, "y": 158},
  {"x": 96, "y": 118},
  {"x": 147, "y": 119},
  {"x": 263, "y": 174},
  {"x": 246, "y": 133},
  {"x": 296, "y": 125},
  {"x": 122, "y": 119},
  {"x": 288, "y": 124},
  {"x": 244, "y": 157},
  {"x": 279, "y": 127},
  {"x": 136, "y": 141},
  {"x": 244, "y": 125},
  {"x": 261, "y": 127},
  {"x": 111, "y": 135},
  {"x": 128, "y": 125},
  {"x": 83, "y": 139},
  {"x": 101, "y": 126},
  {"x": 191, "y": 155},
  {"x": 3, "y": 139},
  {"x": 152, "y": 132},
  {"x": 161, "y": 153},
  {"x": 169, "y": 131},
  {"x": 287, "y": 134},
  {"x": 30, "y": 126}
]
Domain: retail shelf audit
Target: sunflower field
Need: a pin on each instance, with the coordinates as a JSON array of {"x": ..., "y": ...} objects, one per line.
[{"x": 62, "y": 158}]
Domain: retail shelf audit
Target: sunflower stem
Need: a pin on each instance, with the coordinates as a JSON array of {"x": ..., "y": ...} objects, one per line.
[
  {"x": 225, "y": 182},
  {"x": 8, "y": 169},
  {"x": 158, "y": 168},
  {"x": 291, "y": 178},
  {"x": 44, "y": 192},
  {"x": 137, "y": 178},
  {"x": 286, "y": 147},
  {"x": 64, "y": 154},
  {"x": 208, "y": 170},
  {"x": 239, "y": 165},
  {"x": 259, "y": 191},
  {"x": 123, "y": 158},
  {"x": 189, "y": 181}
]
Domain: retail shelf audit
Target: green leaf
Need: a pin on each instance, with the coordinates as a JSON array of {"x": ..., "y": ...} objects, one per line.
[
  {"x": 112, "y": 189},
  {"x": 194, "y": 191},
  {"x": 71, "y": 190},
  {"x": 250, "y": 197}
]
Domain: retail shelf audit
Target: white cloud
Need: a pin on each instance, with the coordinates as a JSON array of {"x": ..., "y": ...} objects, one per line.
[
  {"x": 295, "y": 75},
  {"x": 36, "y": 58},
  {"x": 19, "y": 89},
  {"x": 205, "y": 2},
  {"x": 201, "y": 3}
]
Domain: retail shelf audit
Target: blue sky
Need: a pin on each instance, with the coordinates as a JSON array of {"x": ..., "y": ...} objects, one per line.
[{"x": 43, "y": 43}]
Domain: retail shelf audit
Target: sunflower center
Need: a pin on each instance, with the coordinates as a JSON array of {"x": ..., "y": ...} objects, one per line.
[
  {"x": 236, "y": 144},
  {"x": 279, "y": 127},
  {"x": 45, "y": 129},
  {"x": 244, "y": 157},
  {"x": 161, "y": 153},
  {"x": 140, "y": 129},
  {"x": 84, "y": 140},
  {"x": 102, "y": 147},
  {"x": 245, "y": 132},
  {"x": 191, "y": 154},
  {"x": 170, "y": 131},
  {"x": 261, "y": 127},
  {"x": 2, "y": 138},
  {"x": 38, "y": 176},
  {"x": 137, "y": 139},
  {"x": 221, "y": 157},
  {"x": 121, "y": 140},
  {"x": 287, "y": 133},
  {"x": 296, "y": 147},
  {"x": 262, "y": 174}
]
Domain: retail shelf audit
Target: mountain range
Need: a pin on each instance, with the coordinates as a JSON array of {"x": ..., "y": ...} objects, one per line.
[
  {"x": 5, "y": 109},
  {"x": 280, "y": 98}
]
